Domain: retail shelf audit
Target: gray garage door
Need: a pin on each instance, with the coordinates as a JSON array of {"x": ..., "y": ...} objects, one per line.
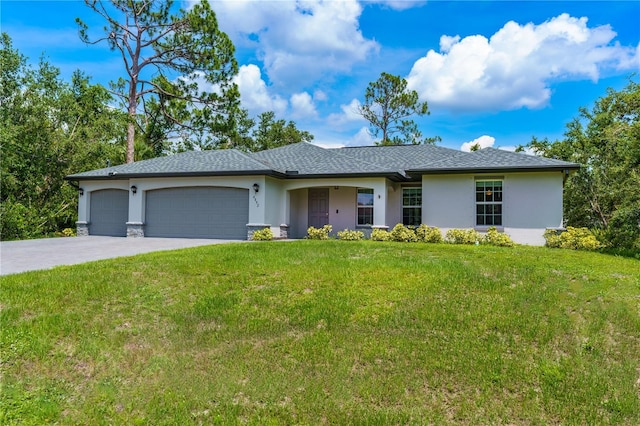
[
  {"x": 197, "y": 212},
  {"x": 109, "y": 212}
]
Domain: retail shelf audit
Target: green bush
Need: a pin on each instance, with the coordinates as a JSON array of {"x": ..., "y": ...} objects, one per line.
[
  {"x": 495, "y": 238},
  {"x": 264, "y": 234},
  {"x": 16, "y": 221},
  {"x": 403, "y": 234},
  {"x": 623, "y": 229},
  {"x": 428, "y": 234},
  {"x": 319, "y": 234},
  {"x": 349, "y": 235},
  {"x": 66, "y": 232},
  {"x": 552, "y": 238},
  {"x": 463, "y": 236},
  {"x": 378, "y": 234},
  {"x": 572, "y": 238}
]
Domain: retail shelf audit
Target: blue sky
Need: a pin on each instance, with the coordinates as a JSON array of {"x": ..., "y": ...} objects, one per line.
[{"x": 497, "y": 72}]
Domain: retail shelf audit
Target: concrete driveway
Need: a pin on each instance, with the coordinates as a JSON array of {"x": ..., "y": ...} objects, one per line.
[{"x": 30, "y": 255}]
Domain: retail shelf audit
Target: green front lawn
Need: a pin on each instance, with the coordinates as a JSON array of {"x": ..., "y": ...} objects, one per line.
[{"x": 325, "y": 332}]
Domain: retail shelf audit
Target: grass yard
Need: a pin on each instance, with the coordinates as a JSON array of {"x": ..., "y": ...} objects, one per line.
[{"x": 325, "y": 332}]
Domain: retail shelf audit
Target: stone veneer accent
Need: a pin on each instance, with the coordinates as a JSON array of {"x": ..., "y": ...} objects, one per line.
[
  {"x": 253, "y": 227},
  {"x": 135, "y": 229},
  {"x": 82, "y": 229},
  {"x": 284, "y": 231}
]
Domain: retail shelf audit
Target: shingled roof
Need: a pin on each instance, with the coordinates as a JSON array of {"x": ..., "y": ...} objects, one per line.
[
  {"x": 192, "y": 163},
  {"x": 304, "y": 160}
]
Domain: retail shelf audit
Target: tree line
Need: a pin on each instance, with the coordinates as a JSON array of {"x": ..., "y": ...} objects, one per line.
[
  {"x": 604, "y": 195},
  {"x": 178, "y": 94},
  {"x": 51, "y": 128}
]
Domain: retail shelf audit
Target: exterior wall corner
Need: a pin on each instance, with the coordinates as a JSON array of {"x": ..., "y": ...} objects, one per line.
[
  {"x": 253, "y": 227},
  {"x": 135, "y": 230},
  {"x": 82, "y": 228}
]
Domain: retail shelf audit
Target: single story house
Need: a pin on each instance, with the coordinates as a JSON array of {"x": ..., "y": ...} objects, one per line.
[{"x": 229, "y": 194}]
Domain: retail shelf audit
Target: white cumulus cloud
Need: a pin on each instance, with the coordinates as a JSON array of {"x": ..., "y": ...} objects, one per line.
[
  {"x": 302, "y": 106},
  {"x": 254, "y": 92},
  {"x": 513, "y": 68},
  {"x": 483, "y": 141},
  {"x": 349, "y": 114},
  {"x": 362, "y": 138},
  {"x": 298, "y": 41}
]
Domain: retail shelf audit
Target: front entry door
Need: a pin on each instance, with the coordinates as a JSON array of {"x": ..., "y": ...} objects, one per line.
[{"x": 318, "y": 207}]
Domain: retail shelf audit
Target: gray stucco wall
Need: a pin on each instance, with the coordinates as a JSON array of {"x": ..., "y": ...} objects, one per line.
[
  {"x": 274, "y": 203},
  {"x": 342, "y": 208},
  {"x": 299, "y": 215},
  {"x": 448, "y": 201},
  {"x": 394, "y": 205},
  {"x": 531, "y": 203}
]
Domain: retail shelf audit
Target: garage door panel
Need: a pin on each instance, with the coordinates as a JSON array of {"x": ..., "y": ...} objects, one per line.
[
  {"x": 197, "y": 212},
  {"x": 109, "y": 212}
]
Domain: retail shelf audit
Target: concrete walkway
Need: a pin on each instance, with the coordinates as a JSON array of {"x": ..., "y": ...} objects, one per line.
[{"x": 30, "y": 255}]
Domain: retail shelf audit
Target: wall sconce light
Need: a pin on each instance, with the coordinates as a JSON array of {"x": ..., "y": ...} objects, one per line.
[
  {"x": 256, "y": 188},
  {"x": 134, "y": 189},
  {"x": 81, "y": 191},
  {"x": 336, "y": 187}
]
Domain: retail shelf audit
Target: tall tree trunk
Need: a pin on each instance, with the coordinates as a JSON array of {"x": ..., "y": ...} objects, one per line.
[{"x": 131, "y": 126}]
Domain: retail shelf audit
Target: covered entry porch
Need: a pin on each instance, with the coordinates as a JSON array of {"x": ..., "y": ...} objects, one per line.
[{"x": 360, "y": 204}]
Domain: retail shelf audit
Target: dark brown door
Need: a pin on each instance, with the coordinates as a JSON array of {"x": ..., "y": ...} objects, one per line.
[{"x": 318, "y": 207}]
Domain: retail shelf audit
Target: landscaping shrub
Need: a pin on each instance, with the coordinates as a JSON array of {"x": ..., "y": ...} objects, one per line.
[
  {"x": 623, "y": 229},
  {"x": 552, "y": 238},
  {"x": 262, "y": 235},
  {"x": 427, "y": 234},
  {"x": 403, "y": 234},
  {"x": 495, "y": 238},
  {"x": 319, "y": 233},
  {"x": 349, "y": 235},
  {"x": 463, "y": 236},
  {"x": 572, "y": 238},
  {"x": 378, "y": 234}
]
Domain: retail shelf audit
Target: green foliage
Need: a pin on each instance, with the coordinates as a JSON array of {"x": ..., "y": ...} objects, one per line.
[
  {"x": 49, "y": 129},
  {"x": 67, "y": 232},
  {"x": 463, "y": 236},
  {"x": 155, "y": 44},
  {"x": 402, "y": 234},
  {"x": 428, "y": 234},
  {"x": 495, "y": 238},
  {"x": 350, "y": 235},
  {"x": 623, "y": 229},
  {"x": 271, "y": 133},
  {"x": 264, "y": 234},
  {"x": 378, "y": 234},
  {"x": 319, "y": 234},
  {"x": 387, "y": 106},
  {"x": 572, "y": 238},
  {"x": 606, "y": 142},
  {"x": 248, "y": 136}
]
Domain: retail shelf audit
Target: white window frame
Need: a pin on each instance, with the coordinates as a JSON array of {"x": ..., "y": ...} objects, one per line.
[
  {"x": 366, "y": 209},
  {"x": 489, "y": 202},
  {"x": 412, "y": 206}
]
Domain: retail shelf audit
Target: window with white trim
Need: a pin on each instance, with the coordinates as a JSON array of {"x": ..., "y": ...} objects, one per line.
[
  {"x": 365, "y": 207},
  {"x": 488, "y": 202},
  {"x": 412, "y": 206}
]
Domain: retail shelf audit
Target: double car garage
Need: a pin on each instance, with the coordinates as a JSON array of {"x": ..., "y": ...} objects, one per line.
[{"x": 184, "y": 212}]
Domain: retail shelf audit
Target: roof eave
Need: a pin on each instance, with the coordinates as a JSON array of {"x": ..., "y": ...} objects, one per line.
[
  {"x": 395, "y": 176},
  {"x": 120, "y": 176},
  {"x": 514, "y": 169}
]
